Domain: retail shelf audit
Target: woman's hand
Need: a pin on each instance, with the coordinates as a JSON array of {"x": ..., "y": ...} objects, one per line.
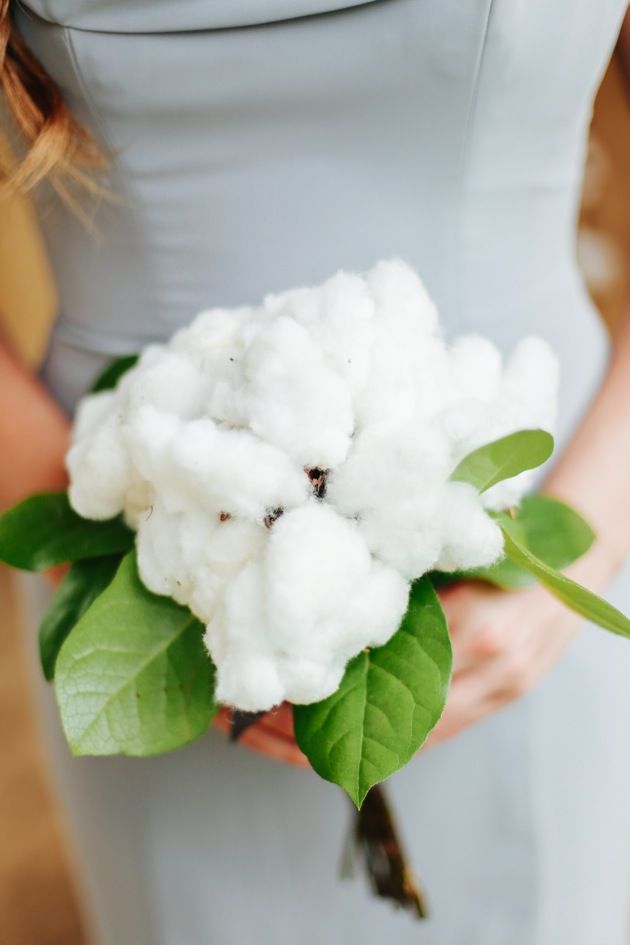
[
  {"x": 271, "y": 735},
  {"x": 505, "y": 641}
]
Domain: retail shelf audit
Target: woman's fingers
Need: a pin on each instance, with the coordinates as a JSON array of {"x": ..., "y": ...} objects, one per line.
[
  {"x": 273, "y": 744},
  {"x": 472, "y": 695},
  {"x": 502, "y": 646},
  {"x": 475, "y": 636}
]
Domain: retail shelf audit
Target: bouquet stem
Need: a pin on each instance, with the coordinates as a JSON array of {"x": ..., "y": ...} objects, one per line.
[
  {"x": 241, "y": 721},
  {"x": 375, "y": 839}
]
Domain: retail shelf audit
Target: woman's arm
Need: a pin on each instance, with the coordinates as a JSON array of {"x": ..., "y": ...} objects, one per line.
[
  {"x": 622, "y": 52},
  {"x": 33, "y": 434}
]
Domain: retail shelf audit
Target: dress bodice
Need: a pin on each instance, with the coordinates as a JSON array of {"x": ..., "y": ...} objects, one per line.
[{"x": 257, "y": 144}]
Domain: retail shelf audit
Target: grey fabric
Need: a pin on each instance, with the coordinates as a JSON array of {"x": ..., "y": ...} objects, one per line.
[
  {"x": 249, "y": 156},
  {"x": 161, "y": 16}
]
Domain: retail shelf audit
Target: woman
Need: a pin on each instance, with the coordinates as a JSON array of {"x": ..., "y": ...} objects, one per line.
[{"x": 258, "y": 144}]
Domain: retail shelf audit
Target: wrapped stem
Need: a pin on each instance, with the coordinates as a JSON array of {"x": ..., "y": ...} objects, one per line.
[
  {"x": 375, "y": 839},
  {"x": 241, "y": 721}
]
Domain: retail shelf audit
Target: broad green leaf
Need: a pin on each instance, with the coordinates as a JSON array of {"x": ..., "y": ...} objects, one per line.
[
  {"x": 504, "y": 458},
  {"x": 551, "y": 530},
  {"x": 133, "y": 676},
  {"x": 389, "y": 700},
  {"x": 113, "y": 372},
  {"x": 82, "y": 584},
  {"x": 576, "y": 597},
  {"x": 44, "y": 530}
]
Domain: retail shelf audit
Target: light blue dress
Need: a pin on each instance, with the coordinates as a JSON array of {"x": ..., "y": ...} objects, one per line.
[{"x": 258, "y": 144}]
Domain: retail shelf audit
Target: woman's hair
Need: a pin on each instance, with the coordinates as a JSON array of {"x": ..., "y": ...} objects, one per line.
[{"x": 58, "y": 147}]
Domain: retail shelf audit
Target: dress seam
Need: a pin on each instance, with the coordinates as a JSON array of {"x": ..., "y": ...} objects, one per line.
[
  {"x": 466, "y": 152},
  {"x": 254, "y": 24}
]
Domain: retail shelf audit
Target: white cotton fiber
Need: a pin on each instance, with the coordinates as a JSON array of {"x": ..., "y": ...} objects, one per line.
[
  {"x": 293, "y": 398},
  {"x": 99, "y": 469},
  {"x": 287, "y": 470}
]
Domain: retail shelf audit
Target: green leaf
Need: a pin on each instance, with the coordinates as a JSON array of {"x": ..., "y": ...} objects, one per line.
[
  {"x": 133, "y": 676},
  {"x": 82, "y": 584},
  {"x": 504, "y": 458},
  {"x": 551, "y": 530},
  {"x": 576, "y": 597},
  {"x": 44, "y": 530},
  {"x": 113, "y": 372},
  {"x": 389, "y": 700}
]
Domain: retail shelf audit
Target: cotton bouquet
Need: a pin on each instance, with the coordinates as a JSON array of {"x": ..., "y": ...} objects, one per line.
[{"x": 259, "y": 511}]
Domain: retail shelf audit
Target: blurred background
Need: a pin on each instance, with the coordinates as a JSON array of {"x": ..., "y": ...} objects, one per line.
[{"x": 38, "y": 903}]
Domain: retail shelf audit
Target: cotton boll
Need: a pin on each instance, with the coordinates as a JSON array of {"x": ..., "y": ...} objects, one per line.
[
  {"x": 206, "y": 591},
  {"x": 315, "y": 560},
  {"x": 406, "y": 381},
  {"x": 527, "y": 399},
  {"x": 531, "y": 383},
  {"x": 240, "y": 620},
  {"x": 303, "y": 303},
  {"x": 214, "y": 343},
  {"x": 305, "y": 681},
  {"x": 475, "y": 375},
  {"x": 406, "y": 535},
  {"x": 527, "y": 395},
  {"x": 338, "y": 316},
  {"x": 159, "y": 552},
  {"x": 206, "y": 443},
  {"x": 283, "y": 615},
  {"x": 471, "y": 539},
  {"x": 204, "y": 555},
  {"x": 293, "y": 399},
  {"x": 172, "y": 383},
  {"x": 99, "y": 470},
  {"x": 91, "y": 412},
  {"x": 139, "y": 497},
  {"x": 223, "y": 402},
  {"x": 148, "y": 433},
  {"x": 401, "y": 296},
  {"x": 508, "y": 493},
  {"x": 476, "y": 367},
  {"x": 345, "y": 328},
  {"x": 313, "y": 601},
  {"x": 215, "y": 551},
  {"x": 224, "y": 544},
  {"x": 323, "y": 588},
  {"x": 384, "y": 468},
  {"x": 236, "y": 638},
  {"x": 233, "y": 471},
  {"x": 211, "y": 336},
  {"x": 465, "y": 425},
  {"x": 249, "y": 682},
  {"x": 192, "y": 558},
  {"x": 378, "y": 607}
]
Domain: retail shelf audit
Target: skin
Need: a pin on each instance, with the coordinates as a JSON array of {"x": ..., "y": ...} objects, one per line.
[{"x": 503, "y": 641}]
